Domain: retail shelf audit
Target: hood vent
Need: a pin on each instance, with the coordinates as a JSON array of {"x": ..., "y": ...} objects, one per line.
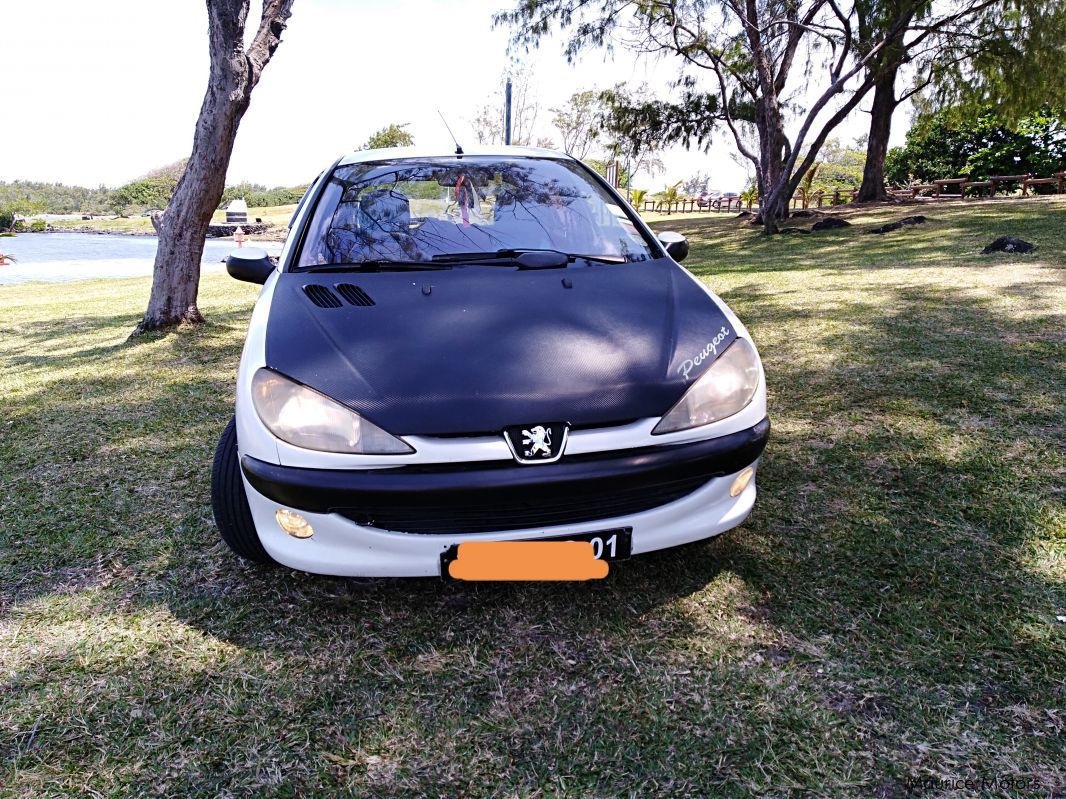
[
  {"x": 322, "y": 296},
  {"x": 354, "y": 295}
]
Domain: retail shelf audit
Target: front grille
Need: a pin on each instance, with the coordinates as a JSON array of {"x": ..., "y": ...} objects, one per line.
[
  {"x": 502, "y": 509},
  {"x": 487, "y": 496}
]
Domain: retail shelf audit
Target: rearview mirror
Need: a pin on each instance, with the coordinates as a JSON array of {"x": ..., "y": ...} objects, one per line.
[
  {"x": 675, "y": 244},
  {"x": 251, "y": 264}
]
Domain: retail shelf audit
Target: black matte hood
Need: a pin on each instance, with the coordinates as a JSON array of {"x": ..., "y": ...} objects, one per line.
[{"x": 474, "y": 349}]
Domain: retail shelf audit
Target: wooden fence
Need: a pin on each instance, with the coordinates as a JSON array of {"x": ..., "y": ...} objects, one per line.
[
  {"x": 691, "y": 206},
  {"x": 817, "y": 199},
  {"x": 801, "y": 199},
  {"x": 979, "y": 188}
]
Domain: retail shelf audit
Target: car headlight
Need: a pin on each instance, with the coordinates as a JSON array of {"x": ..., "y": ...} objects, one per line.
[
  {"x": 724, "y": 389},
  {"x": 303, "y": 417}
]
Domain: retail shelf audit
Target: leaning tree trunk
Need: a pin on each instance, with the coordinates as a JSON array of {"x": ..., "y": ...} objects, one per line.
[
  {"x": 884, "y": 105},
  {"x": 183, "y": 227}
]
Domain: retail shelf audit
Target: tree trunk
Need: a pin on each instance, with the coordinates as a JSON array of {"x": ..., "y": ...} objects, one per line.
[
  {"x": 183, "y": 227},
  {"x": 771, "y": 172},
  {"x": 884, "y": 105}
]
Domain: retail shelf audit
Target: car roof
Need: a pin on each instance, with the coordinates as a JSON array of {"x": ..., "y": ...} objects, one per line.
[{"x": 391, "y": 153}]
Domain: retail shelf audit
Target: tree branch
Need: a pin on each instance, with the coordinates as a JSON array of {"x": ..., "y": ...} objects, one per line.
[{"x": 275, "y": 17}]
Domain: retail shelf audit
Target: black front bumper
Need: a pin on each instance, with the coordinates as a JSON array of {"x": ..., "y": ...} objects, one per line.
[{"x": 490, "y": 496}]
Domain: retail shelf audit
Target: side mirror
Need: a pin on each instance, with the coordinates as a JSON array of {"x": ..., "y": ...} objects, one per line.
[
  {"x": 251, "y": 264},
  {"x": 675, "y": 244}
]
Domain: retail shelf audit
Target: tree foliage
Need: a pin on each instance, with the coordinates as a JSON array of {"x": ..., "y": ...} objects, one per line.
[
  {"x": 578, "y": 122},
  {"x": 259, "y": 196},
  {"x": 393, "y": 135},
  {"x": 696, "y": 184},
  {"x": 153, "y": 191},
  {"x": 171, "y": 172},
  {"x": 34, "y": 197},
  {"x": 951, "y": 143},
  {"x": 1012, "y": 56},
  {"x": 600, "y": 166},
  {"x": 633, "y": 132},
  {"x": 142, "y": 195},
  {"x": 838, "y": 167}
]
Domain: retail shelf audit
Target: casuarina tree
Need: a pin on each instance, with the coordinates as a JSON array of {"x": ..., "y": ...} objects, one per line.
[
  {"x": 235, "y": 72},
  {"x": 760, "y": 57},
  {"x": 755, "y": 55},
  {"x": 1008, "y": 53}
]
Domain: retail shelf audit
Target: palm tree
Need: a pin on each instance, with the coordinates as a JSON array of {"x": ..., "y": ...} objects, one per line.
[
  {"x": 671, "y": 194},
  {"x": 7, "y": 259}
]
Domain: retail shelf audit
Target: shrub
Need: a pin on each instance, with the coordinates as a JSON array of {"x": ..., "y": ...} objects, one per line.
[
  {"x": 7, "y": 219},
  {"x": 19, "y": 226},
  {"x": 38, "y": 226}
]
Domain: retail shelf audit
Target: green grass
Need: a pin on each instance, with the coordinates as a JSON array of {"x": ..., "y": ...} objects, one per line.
[
  {"x": 888, "y": 612},
  {"x": 132, "y": 224},
  {"x": 278, "y": 215}
]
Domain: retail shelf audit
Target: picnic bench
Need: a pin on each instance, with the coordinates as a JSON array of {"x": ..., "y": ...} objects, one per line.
[
  {"x": 910, "y": 191},
  {"x": 938, "y": 185},
  {"x": 995, "y": 180},
  {"x": 1059, "y": 181},
  {"x": 979, "y": 185}
]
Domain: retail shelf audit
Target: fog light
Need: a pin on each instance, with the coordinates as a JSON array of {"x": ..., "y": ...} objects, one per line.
[
  {"x": 293, "y": 523},
  {"x": 739, "y": 484}
]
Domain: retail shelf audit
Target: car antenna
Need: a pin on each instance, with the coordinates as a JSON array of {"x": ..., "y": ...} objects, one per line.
[{"x": 458, "y": 147}]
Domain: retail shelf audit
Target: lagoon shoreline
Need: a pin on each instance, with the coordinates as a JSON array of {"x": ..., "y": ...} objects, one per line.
[
  {"x": 61, "y": 256},
  {"x": 269, "y": 233}
]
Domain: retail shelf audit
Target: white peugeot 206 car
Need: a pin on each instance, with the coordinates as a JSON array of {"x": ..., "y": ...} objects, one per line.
[{"x": 487, "y": 345}]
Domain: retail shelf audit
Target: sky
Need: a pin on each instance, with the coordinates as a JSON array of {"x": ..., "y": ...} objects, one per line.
[{"x": 104, "y": 92}]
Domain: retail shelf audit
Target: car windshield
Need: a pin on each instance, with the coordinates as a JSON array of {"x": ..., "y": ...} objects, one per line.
[{"x": 420, "y": 209}]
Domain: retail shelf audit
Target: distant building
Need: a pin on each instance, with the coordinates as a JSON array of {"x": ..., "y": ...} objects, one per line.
[{"x": 237, "y": 212}]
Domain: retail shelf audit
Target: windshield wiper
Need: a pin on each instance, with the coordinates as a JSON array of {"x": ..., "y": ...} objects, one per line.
[
  {"x": 513, "y": 255},
  {"x": 377, "y": 266}
]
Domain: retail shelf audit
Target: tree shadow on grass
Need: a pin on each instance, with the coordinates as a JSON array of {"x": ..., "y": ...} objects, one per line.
[
  {"x": 880, "y": 614},
  {"x": 52, "y": 344}
]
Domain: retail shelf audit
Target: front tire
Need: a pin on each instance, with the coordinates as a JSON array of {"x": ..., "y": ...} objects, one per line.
[{"x": 229, "y": 503}]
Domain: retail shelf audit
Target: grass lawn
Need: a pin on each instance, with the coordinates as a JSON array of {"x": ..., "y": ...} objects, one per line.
[
  {"x": 892, "y": 610},
  {"x": 276, "y": 215}
]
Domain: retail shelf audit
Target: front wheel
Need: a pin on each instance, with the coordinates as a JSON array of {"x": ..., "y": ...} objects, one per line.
[{"x": 229, "y": 503}]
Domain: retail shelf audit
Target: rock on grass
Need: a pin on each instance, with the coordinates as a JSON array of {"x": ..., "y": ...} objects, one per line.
[
  {"x": 830, "y": 223},
  {"x": 917, "y": 219},
  {"x": 1008, "y": 244}
]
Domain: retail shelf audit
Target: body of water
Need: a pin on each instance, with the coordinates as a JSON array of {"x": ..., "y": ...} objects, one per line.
[{"x": 61, "y": 257}]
